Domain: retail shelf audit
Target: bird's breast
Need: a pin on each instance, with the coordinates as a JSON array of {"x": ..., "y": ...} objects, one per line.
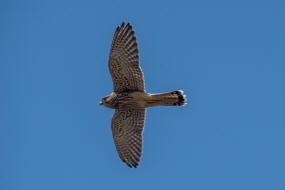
[{"x": 131, "y": 100}]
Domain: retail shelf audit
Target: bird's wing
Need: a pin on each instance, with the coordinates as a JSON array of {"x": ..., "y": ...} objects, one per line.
[
  {"x": 124, "y": 61},
  {"x": 127, "y": 129}
]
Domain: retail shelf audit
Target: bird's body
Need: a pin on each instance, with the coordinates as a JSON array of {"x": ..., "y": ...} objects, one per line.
[
  {"x": 126, "y": 100},
  {"x": 143, "y": 100},
  {"x": 129, "y": 98}
]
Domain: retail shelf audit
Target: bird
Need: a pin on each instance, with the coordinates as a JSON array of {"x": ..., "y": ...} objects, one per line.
[{"x": 129, "y": 97}]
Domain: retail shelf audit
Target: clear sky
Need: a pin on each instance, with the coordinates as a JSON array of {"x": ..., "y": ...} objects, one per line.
[{"x": 227, "y": 56}]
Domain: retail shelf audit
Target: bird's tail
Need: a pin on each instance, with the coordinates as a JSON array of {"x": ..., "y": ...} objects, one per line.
[{"x": 173, "y": 98}]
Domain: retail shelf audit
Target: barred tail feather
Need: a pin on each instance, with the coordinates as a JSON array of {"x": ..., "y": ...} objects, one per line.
[{"x": 173, "y": 98}]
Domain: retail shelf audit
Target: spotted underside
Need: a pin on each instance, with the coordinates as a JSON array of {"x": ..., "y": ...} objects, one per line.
[{"x": 129, "y": 98}]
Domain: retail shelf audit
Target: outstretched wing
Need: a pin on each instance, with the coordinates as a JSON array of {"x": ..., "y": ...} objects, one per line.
[
  {"x": 124, "y": 61},
  {"x": 127, "y": 129}
]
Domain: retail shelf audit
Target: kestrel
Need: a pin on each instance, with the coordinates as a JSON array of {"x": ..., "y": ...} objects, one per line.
[{"x": 129, "y": 98}]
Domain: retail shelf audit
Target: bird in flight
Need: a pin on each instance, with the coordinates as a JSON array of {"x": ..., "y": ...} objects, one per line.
[{"x": 129, "y": 98}]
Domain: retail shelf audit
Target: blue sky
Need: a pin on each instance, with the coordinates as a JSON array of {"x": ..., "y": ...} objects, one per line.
[{"x": 227, "y": 56}]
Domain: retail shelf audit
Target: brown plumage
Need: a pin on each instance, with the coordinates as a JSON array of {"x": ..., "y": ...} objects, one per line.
[{"x": 129, "y": 98}]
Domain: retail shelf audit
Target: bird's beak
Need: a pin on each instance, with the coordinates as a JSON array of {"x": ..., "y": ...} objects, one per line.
[{"x": 101, "y": 103}]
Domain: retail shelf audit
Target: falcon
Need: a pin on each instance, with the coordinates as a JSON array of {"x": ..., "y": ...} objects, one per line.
[{"x": 129, "y": 97}]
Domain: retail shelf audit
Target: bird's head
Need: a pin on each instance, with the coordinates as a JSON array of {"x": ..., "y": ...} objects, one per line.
[
  {"x": 103, "y": 100},
  {"x": 107, "y": 101}
]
